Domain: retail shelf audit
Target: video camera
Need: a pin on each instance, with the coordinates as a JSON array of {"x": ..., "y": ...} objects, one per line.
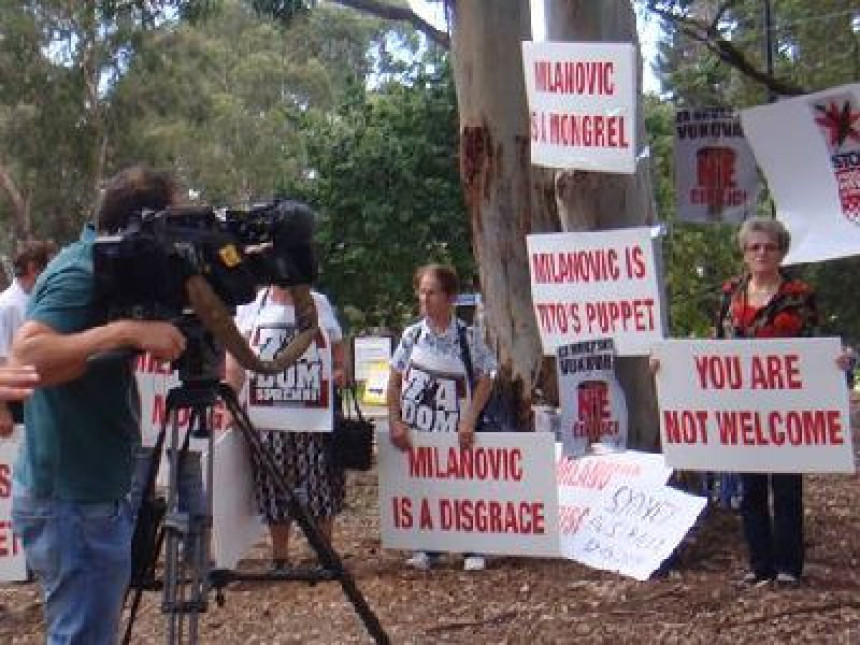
[{"x": 142, "y": 271}]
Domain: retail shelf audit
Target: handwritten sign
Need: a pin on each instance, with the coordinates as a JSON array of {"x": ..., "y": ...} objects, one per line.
[
  {"x": 13, "y": 562},
  {"x": 617, "y": 514},
  {"x": 769, "y": 405},
  {"x": 497, "y": 497},
  {"x": 588, "y": 286},
  {"x": 582, "y": 105}
]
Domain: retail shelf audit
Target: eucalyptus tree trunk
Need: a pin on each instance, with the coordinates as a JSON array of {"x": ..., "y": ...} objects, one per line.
[
  {"x": 20, "y": 204},
  {"x": 589, "y": 201},
  {"x": 495, "y": 172}
]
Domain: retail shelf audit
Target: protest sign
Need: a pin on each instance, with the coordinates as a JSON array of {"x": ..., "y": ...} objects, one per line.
[
  {"x": 716, "y": 177},
  {"x": 369, "y": 351},
  {"x": 13, "y": 562},
  {"x": 819, "y": 199},
  {"x": 587, "y": 286},
  {"x": 154, "y": 380},
  {"x": 615, "y": 513},
  {"x": 299, "y": 399},
  {"x": 582, "y": 104},
  {"x": 499, "y": 496},
  {"x": 764, "y": 405},
  {"x": 593, "y": 407},
  {"x": 236, "y": 525},
  {"x": 376, "y": 385}
]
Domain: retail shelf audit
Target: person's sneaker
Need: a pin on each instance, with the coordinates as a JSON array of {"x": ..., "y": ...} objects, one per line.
[
  {"x": 755, "y": 580},
  {"x": 787, "y": 579},
  {"x": 474, "y": 563},
  {"x": 422, "y": 561}
]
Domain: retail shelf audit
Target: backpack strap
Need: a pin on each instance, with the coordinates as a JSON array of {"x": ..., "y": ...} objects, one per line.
[{"x": 465, "y": 354}]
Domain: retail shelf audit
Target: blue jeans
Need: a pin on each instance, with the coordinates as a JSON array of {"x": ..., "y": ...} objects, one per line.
[
  {"x": 189, "y": 482},
  {"x": 81, "y": 554}
]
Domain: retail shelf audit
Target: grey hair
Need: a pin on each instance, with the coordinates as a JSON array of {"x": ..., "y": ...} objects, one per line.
[{"x": 770, "y": 227}]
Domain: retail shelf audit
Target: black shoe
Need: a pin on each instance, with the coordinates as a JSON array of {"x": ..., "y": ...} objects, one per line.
[{"x": 279, "y": 565}]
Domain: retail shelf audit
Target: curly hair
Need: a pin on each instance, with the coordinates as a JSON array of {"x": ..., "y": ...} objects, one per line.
[{"x": 131, "y": 191}]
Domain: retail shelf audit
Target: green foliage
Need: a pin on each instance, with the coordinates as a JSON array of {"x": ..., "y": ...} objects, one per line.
[
  {"x": 385, "y": 181},
  {"x": 699, "y": 258}
]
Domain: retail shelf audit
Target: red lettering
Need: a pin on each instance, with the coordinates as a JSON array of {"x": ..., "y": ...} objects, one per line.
[
  {"x": 5, "y": 480},
  {"x": 775, "y": 372},
  {"x": 9, "y": 543},
  {"x": 686, "y": 426}
]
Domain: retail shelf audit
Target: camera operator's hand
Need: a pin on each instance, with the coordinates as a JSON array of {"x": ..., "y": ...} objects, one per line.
[{"x": 161, "y": 339}]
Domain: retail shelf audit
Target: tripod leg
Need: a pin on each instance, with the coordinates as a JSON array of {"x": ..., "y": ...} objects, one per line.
[{"x": 326, "y": 554}]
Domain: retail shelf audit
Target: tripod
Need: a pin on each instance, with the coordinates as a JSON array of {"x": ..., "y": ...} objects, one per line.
[{"x": 187, "y": 576}]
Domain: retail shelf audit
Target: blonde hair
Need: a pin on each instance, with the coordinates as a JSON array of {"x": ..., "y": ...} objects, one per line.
[{"x": 770, "y": 227}]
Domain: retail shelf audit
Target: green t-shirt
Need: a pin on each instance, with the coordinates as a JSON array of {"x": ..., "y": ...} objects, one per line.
[{"x": 81, "y": 435}]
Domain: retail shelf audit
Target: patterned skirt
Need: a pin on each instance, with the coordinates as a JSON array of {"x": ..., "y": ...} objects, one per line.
[{"x": 304, "y": 461}]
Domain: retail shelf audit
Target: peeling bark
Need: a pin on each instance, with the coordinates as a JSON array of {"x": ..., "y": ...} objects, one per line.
[{"x": 495, "y": 171}]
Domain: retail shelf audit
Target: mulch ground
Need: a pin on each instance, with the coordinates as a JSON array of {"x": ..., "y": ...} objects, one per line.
[{"x": 518, "y": 600}]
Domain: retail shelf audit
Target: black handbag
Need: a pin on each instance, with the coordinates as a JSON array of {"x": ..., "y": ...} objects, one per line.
[{"x": 352, "y": 438}]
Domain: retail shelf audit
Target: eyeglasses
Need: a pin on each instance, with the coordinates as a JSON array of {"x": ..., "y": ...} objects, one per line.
[{"x": 769, "y": 247}]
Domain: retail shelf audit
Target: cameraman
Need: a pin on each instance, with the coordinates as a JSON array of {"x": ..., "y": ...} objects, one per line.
[{"x": 70, "y": 493}]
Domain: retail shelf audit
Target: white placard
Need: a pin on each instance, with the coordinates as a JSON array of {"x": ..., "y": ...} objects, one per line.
[
  {"x": 587, "y": 286},
  {"x": 236, "y": 525},
  {"x": 13, "y": 562},
  {"x": 716, "y": 176},
  {"x": 617, "y": 514},
  {"x": 299, "y": 399},
  {"x": 369, "y": 350},
  {"x": 154, "y": 381},
  {"x": 763, "y": 405},
  {"x": 593, "y": 406},
  {"x": 582, "y": 105},
  {"x": 809, "y": 150},
  {"x": 498, "y": 497}
]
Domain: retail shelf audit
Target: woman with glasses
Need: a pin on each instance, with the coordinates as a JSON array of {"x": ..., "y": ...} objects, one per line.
[{"x": 765, "y": 303}]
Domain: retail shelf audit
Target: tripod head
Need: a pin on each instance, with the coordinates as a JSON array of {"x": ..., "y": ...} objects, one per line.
[{"x": 201, "y": 363}]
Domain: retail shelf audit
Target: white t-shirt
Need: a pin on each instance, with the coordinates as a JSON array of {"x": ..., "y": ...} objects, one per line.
[{"x": 13, "y": 307}]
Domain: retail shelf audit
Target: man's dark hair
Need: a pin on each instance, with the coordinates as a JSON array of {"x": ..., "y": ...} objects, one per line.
[
  {"x": 36, "y": 253},
  {"x": 131, "y": 191}
]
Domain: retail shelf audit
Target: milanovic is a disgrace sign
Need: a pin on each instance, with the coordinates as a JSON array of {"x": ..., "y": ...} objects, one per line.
[{"x": 498, "y": 496}]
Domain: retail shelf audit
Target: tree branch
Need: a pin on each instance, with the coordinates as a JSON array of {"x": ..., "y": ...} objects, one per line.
[
  {"x": 19, "y": 204},
  {"x": 728, "y": 52},
  {"x": 393, "y": 12}
]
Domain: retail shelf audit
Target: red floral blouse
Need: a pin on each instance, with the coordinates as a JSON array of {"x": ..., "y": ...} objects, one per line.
[{"x": 790, "y": 313}]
